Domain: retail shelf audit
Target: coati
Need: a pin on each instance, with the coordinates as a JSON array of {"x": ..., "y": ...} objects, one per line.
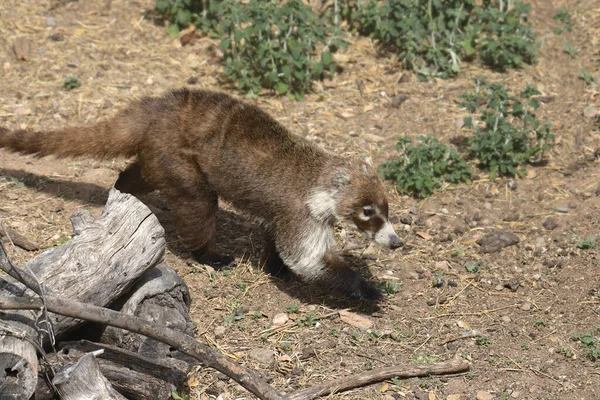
[{"x": 196, "y": 146}]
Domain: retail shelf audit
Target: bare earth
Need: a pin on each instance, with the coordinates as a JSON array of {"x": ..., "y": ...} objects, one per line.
[{"x": 528, "y": 300}]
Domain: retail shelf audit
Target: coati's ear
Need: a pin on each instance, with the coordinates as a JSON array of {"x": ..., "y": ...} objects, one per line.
[{"x": 340, "y": 179}]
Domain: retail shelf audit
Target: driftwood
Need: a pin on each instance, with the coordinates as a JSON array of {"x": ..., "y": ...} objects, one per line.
[
  {"x": 18, "y": 361},
  {"x": 131, "y": 374},
  {"x": 182, "y": 342},
  {"x": 161, "y": 297},
  {"x": 457, "y": 364},
  {"x": 102, "y": 261},
  {"x": 83, "y": 380}
]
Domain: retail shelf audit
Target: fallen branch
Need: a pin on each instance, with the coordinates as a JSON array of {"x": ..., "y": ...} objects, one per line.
[
  {"x": 457, "y": 364},
  {"x": 19, "y": 240},
  {"x": 184, "y": 343}
]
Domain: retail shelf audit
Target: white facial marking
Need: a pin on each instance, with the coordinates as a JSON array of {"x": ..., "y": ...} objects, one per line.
[
  {"x": 384, "y": 236},
  {"x": 365, "y": 217},
  {"x": 306, "y": 259},
  {"x": 322, "y": 205}
]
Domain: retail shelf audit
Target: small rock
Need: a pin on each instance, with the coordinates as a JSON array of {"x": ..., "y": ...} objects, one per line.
[
  {"x": 192, "y": 80},
  {"x": 263, "y": 356},
  {"x": 526, "y": 306},
  {"x": 550, "y": 224},
  {"x": 481, "y": 395},
  {"x": 22, "y": 48},
  {"x": 406, "y": 219},
  {"x": 459, "y": 122},
  {"x": 496, "y": 241},
  {"x": 505, "y": 319},
  {"x": 487, "y": 206},
  {"x": 442, "y": 265},
  {"x": 511, "y": 217},
  {"x": 562, "y": 209},
  {"x": 57, "y": 37},
  {"x": 590, "y": 111},
  {"x": 404, "y": 78},
  {"x": 512, "y": 284},
  {"x": 373, "y": 138},
  {"x": 444, "y": 211},
  {"x": 50, "y": 21},
  {"x": 22, "y": 111},
  {"x": 220, "y": 332},
  {"x": 107, "y": 104},
  {"x": 280, "y": 319},
  {"x": 413, "y": 210},
  {"x": 308, "y": 352},
  {"x": 454, "y": 396},
  {"x": 398, "y": 100},
  {"x": 511, "y": 184},
  {"x": 598, "y": 191}
]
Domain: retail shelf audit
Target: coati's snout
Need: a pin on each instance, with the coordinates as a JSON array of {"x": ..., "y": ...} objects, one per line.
[{"x": 372, "y": 222}]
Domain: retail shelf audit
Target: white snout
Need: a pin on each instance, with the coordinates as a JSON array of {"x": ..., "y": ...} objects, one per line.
[{"x": 387, "y": 237}]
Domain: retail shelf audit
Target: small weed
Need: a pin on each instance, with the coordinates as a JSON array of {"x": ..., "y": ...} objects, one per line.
[
  {"x": 563, "y": 15},
  {"x": 503, "y": 396},
  {"x": 63, "y": 239},
  {"x": 285, "y": 345},
  {"x": 474, "y": 267},
  {"x": 588, "y": 342},
  {"x": 256, "y": 315},
  {"x": 242, "y": 286},
  {"x": 481, "y": 340},
  {"x": 422, "y": 169},
  {"x": 176, "y": 396},
  {"x": 469, "y": 377},
  {"x": 458, "y": 252},
  {"x": 525, "y": 346},
  {"x": 586, "y": 77},
  {"x": 396, "y": 381},
  {"x": 212, "y": 276},
  {"x": 292, "y": 309},
  {"x": 308, "y": 321},
  {"x": 506, "y": 132},
  {"x": 422, "y": 358},
  {"x": 388, "y": 288},
  {"x": 335, "y": 332},
  {"x": 566, "y": 351},
  {"x": 71, "y": 82},
  {"x": 225, "y": 272},
  {"x": 539, "y": 323},
  {"x": 438, "y": 279},
  {"x": 570, "y": 50},
  {"x": 587, "y": 243}
]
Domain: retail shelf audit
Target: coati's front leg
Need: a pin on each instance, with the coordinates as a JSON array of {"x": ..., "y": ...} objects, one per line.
[
  {"x": 273, "y": 264},
  {"x": 305, "y": 250},
  {"x": 195, "y": 217}
]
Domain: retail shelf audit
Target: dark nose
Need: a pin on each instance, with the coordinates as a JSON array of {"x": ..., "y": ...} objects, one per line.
[{"x": 395, "y": 242}]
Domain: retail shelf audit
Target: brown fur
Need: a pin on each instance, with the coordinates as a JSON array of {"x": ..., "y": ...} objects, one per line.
[{"x": 194, "y": 146}]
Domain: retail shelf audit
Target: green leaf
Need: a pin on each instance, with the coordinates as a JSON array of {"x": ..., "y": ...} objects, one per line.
[
  {"x": 326, "y": 58},
  {"x": 282, "y": 88},
  {"x": 173, "y": 30}
]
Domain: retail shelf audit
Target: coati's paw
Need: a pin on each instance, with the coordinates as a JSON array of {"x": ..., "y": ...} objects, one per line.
[
  {"x": 363, "y": 290},
  {"x": 214, "y": 260},
  {"x": 274, "y": 266}
]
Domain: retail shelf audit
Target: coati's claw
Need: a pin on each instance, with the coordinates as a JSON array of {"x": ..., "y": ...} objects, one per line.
[
  {"x": 365, "y": 291},
  {"x": 214, "y": 260}
]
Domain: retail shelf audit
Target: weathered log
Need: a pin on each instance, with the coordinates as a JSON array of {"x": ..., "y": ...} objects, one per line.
[
  {"x": 162, "y": 297},
  {"x": 102, "y": 261},
  {"x": 83, "y": 380},
  {"x": 134, "y": 376},
  {"x": 105, "y": 256},
  {"x": 18, "y": 362}
]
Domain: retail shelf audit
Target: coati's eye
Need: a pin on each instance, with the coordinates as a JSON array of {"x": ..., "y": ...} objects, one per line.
[{"x": 368, "y": 211}]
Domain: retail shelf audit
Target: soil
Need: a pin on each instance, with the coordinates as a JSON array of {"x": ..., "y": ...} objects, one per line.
[{"x": 524, "y": 301}]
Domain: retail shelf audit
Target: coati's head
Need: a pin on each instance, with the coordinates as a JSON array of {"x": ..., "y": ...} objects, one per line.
[{"x": 358, "y": 197}]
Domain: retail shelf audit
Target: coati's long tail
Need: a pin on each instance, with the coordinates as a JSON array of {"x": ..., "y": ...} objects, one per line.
[{"x": 119, "y": 136}]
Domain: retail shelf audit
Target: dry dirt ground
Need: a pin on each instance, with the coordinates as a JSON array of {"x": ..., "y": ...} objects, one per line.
[{"x": 526, "y": 301}]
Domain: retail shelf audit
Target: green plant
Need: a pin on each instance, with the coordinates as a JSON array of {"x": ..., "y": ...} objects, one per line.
[
  {"x": 438, "y": 279},
  {"x": 525, "y": 346},
  {"x": 176, "y": 396},
  {"x": 587, "y": 243},
  {"x": 71, "y": 82},
  {"x": 282, "y": 47},
  {"x": 421, "y": 169},
  {"x": 588, "y": 342},
  {"x": 538, "y": 323},
  {"x": 335, "y": 332},
  {"x": 565, "y": 351},
  {"x": 183, "y": 13},
  {"x": 507, "y": 133},
  {"x": 569, "y": 49},
  {"x": 292, "y": 309},
  {"x": 563, "y": 15},
  {"x": 474, "y": 267},
  {"x": 388, "y": 288},
  {"x": 308, "y": 321},
  {"x": 432, "y": 37},
  {"x": 586, "y": 77},
  {"x": 481, "y": 340}
]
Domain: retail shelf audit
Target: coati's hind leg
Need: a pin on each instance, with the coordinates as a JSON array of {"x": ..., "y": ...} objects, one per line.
[
  {"x": 273, "y": 264},
  {"x": 195, "y": 215},
  {"x": 131, "y": 181}
]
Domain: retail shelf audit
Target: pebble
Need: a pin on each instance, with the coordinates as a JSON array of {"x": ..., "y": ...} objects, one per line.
[
  {"x": 264, "y": 356},
  {"x": 590, "y": 111},
  {"x": 550, "y": 224},
  {"x": 526, "y": 307},
  {"x": 505, "y": 319},
  {"x": 444, "y": 211},
  {"x": 481, "y": 395},
  {"x": 280, "y": 319},
  {"x": 220, "y": 332},
  {"x": 50, "y": 21}
]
